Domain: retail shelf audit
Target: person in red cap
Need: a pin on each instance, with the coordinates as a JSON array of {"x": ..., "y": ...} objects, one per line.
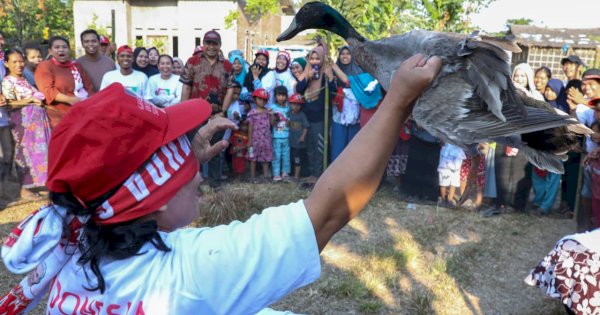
[
  {"x": 106, "y": 48},
  {"x": 260, "y": 144},
  {"x": 207, "y": 76},
  {"x": 298, "y": 130},
  {"x": 123, "y": 179},
  {"x": 94, "y": 62},
  {"x": 258, "y": 70},
  {"x": 132, "y": 80}
]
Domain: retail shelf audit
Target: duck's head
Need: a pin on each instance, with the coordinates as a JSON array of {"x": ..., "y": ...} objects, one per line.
[{"x": 317, "y": 15}]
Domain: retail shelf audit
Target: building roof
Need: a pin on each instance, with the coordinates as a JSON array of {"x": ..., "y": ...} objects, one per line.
[{"x": 556, "y": 37}]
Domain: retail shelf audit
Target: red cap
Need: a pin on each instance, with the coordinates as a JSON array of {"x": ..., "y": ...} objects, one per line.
[
  {"x": 104, "y": 40},
  {"x": 296, "y": 99},
  {"x": 124, "y": 48},
  {"x": 262, "y": 52},
  {"x": 212, "y": 36},
  {"x": 261, "y": 93},
  {"x": 594, "y": 101},
  {"x": 102, "y": 140}
]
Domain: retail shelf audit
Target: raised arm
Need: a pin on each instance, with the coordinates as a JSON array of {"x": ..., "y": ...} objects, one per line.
[{"x": 339, "y": 195}]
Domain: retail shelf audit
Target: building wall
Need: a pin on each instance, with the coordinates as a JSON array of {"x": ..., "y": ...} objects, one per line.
[{"x": 158, "y": 20}]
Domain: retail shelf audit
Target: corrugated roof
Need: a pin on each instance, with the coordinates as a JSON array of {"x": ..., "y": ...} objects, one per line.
[{"x": 556, "y": 37}]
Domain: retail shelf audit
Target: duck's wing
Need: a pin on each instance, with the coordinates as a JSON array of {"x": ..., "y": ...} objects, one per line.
[{"x": 489, "y": 72}]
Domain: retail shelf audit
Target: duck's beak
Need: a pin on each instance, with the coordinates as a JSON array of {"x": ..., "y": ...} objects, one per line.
[{"x": 290, "y": 32}]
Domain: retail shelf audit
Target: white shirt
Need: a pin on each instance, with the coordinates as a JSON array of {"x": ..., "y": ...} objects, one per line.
[
  {"x": 162, "y": 92},
  {"x": 238, "y": 268},
  {"x": 134, "y": 82}
]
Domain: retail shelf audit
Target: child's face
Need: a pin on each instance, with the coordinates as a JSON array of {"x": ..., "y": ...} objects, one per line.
[
  {"x": 520, "y": 78},
  {"x": 260, "y": 103},
  {"x": 314, "y": 59},
  {"x": 280, "y": 99},
  {"x": 34, "y": 56},
  {"x": 236, "y": 94},
  {"x": 549, "y": 94},
  {"x": 296, "y": 108},
  {"x": 237, "y": 66}
]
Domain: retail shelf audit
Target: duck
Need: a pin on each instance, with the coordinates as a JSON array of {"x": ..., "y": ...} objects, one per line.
[{"x": 471, "y": 100}]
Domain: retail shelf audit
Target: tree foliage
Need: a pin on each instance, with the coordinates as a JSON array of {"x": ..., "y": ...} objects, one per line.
[
  {"x": 23, "y": 20},
  {"x": 254, "y": 10},
  {"x": 383, "y": 18},
  {"x": 520, "y": 21}
]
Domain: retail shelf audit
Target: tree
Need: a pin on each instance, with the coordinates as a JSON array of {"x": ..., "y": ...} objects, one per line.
[
  {"x": 520, "y": 21},
  {"x": 254, "y": 10},
  {"x": 23, "y": 20}
]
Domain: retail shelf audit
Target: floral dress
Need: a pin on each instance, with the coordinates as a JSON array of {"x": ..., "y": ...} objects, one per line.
[
  {"x": 570, "y": 273},
  {"x": 262, "y": 142},
  {"x": 31, "y": 133}
]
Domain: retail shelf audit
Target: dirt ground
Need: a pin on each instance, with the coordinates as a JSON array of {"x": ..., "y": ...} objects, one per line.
[{"x": 393, "y": 259}]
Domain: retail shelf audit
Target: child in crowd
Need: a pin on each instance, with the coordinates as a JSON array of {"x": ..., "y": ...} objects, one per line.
[
  {"x": 298, "y": 128},
  {"x": 259, "y": 134},
  {"x": 34, "y": 57},
  {"x": 281, "y": 146},
  {"x": 468, "y": 167},
  {"x": 235, "y": 109},
  {"x": 238, "y": 148},
  {"x": 451, "y": 159}
]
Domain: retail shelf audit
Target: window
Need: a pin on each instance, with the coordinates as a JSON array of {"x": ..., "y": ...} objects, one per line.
[{"x": 175, "y": 46}]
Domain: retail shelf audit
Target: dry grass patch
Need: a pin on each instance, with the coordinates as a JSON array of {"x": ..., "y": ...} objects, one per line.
[{"x": 394, "y": 260}]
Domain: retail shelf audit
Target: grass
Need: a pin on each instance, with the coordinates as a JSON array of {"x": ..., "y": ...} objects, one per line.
[{"x": 394, "y": 260}]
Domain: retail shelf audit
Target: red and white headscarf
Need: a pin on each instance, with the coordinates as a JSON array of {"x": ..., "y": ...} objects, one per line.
[
  {"x": 79, "y": 90},
  {"x": 39, "y": 238}
]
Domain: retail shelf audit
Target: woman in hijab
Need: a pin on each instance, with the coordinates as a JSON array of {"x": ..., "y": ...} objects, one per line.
[
  {"x": 280, "y": 76},
  {"x": 178, "y": 66},
  {"x": 513, "y": 172},
  {"x": 141, "y": 62},
  {"x": 316, "y": 75},
  {"x": 546, "y": 184},
  {"x": 258, "y": 70},
  {"x": 297, "y": 68},
  {"x": 523, "y": 77},
  {"x": 347, "y": 109},
  {"x": 239, "y": 66},
  {"x": 556, "y": 95}
]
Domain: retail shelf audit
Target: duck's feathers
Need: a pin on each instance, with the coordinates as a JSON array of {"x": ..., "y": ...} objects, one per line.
[{"x": 546, "y": 161}]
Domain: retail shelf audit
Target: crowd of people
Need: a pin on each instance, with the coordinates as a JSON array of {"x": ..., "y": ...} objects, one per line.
[{"x": 281, "y": 117}]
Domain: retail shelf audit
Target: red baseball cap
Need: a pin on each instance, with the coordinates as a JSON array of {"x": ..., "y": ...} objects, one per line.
[
  {"x": 104, "y": 139},
  {"x": 296, "y": 99},
  {"x": 262, "y": 52},
  {"x": 212, "y": 36},
  {"x": 261, "y": 93},
  {"x": 594, "y": 101},
  {"x": 124, "y": 48},
  {"x": 104, "y": 40}
]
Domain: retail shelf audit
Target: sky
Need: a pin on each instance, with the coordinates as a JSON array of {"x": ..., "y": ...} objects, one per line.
[{"x": 548, "y": 13}]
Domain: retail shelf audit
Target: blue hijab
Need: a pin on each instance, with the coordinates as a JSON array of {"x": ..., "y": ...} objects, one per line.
[
  {"x": 359, "y": 79},
  {"x": 561, "y": 96},
  {"x": 239, "y": 77}
]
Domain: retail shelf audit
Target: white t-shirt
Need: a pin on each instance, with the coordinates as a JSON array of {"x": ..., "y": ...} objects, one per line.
[
  {"x": 134, "y": 82},
  {"x": 238, "y": 268},
  {"x": 164, "y": 92}
]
